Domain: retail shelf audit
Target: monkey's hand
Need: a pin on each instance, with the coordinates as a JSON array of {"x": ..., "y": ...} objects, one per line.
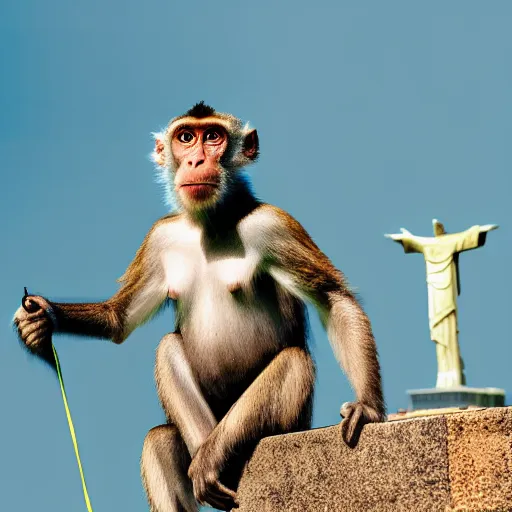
[
  {"x": 204, "y": 471},
  {"x": 34, "y": 326},
  {"x": 356, "y": 415}
]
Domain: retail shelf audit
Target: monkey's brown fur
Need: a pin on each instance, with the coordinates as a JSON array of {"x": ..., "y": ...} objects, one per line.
[{"x": 237, "y": 271}]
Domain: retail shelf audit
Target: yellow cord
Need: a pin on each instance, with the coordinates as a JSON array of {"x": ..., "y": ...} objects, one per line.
[{"x": 71, "y": 429}]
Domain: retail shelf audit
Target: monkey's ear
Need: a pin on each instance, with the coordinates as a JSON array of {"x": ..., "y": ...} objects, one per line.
[
  {"x": 158, "y": 155},
  {"x": 251, "y": 145}
]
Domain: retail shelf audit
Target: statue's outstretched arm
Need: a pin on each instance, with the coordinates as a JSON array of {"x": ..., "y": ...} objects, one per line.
[
  {"x": 407, "y": 239},
  {"x": 488, "y": 227},
  {"x": 398, "y": 237},
  {"x": 483, "y": 232}
]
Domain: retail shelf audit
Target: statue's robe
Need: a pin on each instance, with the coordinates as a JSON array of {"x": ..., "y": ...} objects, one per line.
[{"x": 440, "y": 254}]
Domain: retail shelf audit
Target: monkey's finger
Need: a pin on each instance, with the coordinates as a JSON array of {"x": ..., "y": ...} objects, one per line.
[
  {"x": 372, "y": 415},
  {"x": 32, "y": 317},
  {"x": 222, "y": 499},
  {"x": 41, "y": 327},
  {"x": 23, "y": 316},
  {"x": 199, "y": 492},
  {"x": 226, "y": 490},
  {"x": 350, "y": 426},
  {"x": 34, "y": 303},
  {"x": 211, "y": 494},
  {"x": 346, "y": 409},
  {"x": 30, "y": 306},
  {"x": 22, "y": 326},
  {"x": 30, "y": 327},
  {"x": 37, "y": 313},
  {"x": 219, "y": 503},
  {"x": 36, "y": 339},
  {"x": 227, "y": 496},
  {"x": 27, "y": 326},
  {"x": 209, "y": 500}
]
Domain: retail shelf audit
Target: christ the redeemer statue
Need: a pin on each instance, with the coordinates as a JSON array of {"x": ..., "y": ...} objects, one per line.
[{"x": 441, "y": 256}]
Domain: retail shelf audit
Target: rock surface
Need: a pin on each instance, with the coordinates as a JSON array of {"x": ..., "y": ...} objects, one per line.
[{"x": 452, "y": 462}]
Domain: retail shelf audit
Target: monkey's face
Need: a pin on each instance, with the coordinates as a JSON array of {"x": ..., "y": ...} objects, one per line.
[
  {"x": 197, "y": 150},
  {"x": 199, "y": 156}
]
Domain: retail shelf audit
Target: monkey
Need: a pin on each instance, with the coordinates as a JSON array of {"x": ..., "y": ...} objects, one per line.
[{"x": 238, "y": 273}]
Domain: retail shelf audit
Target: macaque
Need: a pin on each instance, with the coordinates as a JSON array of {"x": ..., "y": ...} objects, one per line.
[{"x": 237, "y": 272}]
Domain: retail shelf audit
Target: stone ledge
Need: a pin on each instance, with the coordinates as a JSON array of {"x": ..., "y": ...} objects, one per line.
[{"x": 456, "y": 462}]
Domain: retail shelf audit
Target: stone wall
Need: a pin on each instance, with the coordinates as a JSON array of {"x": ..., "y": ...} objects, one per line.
[{"x": 450, "y": 462}]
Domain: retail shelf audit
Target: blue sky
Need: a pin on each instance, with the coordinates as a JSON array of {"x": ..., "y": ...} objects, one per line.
[{"x": 371, "y": 117}]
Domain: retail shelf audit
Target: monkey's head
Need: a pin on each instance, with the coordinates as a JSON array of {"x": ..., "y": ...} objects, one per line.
[{"x": 200, "y": 154}]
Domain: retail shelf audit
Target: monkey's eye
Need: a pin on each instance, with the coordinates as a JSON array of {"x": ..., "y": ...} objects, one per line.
[
  {"x": 186, "y": 137},
  {"x": 212, "y": 136}
]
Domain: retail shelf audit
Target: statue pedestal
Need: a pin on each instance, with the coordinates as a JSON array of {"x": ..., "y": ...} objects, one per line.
[{"x": 461, "y": 396}]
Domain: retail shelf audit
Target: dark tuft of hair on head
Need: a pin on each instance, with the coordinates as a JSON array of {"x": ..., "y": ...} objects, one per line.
[{"x": 200, "y": 110}]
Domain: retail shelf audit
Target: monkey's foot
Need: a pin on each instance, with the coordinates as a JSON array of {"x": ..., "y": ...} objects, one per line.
[
  {"x": 208, "y": 490},
  {"x": 355, "y": 416}
]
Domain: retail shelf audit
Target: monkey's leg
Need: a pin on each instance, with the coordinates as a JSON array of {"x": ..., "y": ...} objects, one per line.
[
  {"x": 279, "y": 400},
  {"x": 164, "y": 463},
  {"x": 180, "y": 395},
  {"x": 185, "y": 405}
]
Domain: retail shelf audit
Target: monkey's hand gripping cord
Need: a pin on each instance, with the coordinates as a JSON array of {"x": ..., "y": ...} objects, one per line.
[{"x": 30, "y": 308}]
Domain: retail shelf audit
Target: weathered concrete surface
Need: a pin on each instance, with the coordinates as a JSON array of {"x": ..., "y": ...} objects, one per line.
[
  {"x": 442, "y": 463},
  {"x": 480, "y": 459}
]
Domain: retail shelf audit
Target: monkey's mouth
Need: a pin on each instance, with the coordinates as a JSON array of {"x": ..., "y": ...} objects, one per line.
[
  {"x": 201, "y": 184},
  {"x": 200, "y": 190}
]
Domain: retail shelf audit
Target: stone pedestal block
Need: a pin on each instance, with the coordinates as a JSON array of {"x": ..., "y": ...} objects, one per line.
[{"x": 455, "y": 462}]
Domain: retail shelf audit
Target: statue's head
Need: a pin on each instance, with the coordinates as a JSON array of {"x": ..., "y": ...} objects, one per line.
[{"x": 438, "y": 228}]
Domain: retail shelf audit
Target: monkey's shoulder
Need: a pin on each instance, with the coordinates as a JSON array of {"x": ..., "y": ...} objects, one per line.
[
  {"x": 272, "y": 221},
  {"x": 268, "y": 215},
  {"x": 170, "y": 218},
  {"x": 166, "y": 228}
]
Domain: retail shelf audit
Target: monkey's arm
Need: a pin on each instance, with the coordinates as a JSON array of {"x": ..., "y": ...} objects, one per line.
[
  {"x": 142, "y": 293},
  {"x": 298, "y": 264}
]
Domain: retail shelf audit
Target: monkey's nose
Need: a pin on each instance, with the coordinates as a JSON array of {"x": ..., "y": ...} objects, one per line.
[{"x": 196, "y": 162}]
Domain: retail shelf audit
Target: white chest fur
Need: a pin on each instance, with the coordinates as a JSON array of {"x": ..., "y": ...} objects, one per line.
[
  {"x": 224, "y": 320},
  {"x": 189, "y": 269}
]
